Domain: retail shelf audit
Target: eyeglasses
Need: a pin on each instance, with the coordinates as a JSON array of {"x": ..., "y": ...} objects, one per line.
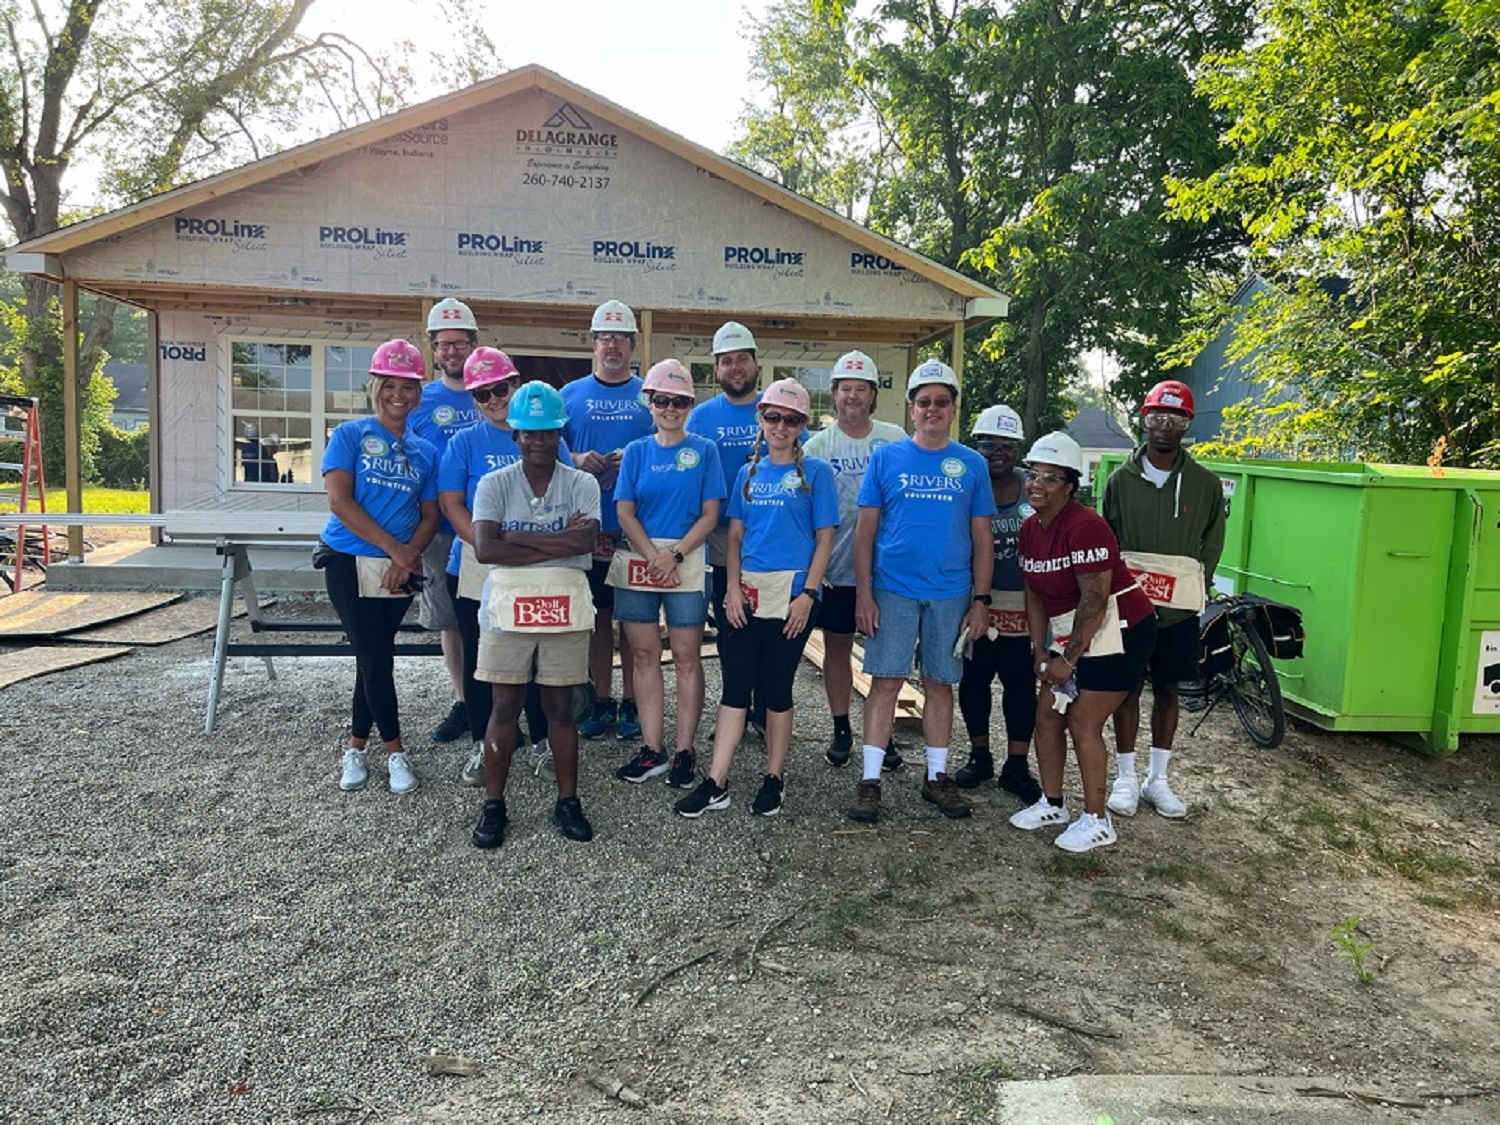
[
  {"x": 1046, "y": 480},
  {"x": 671, "y": 402},
  {"x": 1161, "y": 420},
  {"x": 774, "y": 418},
  {"x": 611, "y": 338},
  {"x": 987, "y": 445},
  {"x": 932, "y": 403},
  {"x": 453, "y": 346},
  {"x": 483, "y": 394}
]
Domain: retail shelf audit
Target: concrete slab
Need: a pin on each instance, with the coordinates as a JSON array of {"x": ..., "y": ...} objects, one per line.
[
  {"x": 1225, "y": 1100},
  {"x": 141, "y": 566}
]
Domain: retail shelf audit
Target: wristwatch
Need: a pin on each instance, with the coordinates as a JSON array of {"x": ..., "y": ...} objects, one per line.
[
  {"x": 676, "y": 554},
  {"x": 984, "y": 599},
  {"x": 815, "y": 594}
]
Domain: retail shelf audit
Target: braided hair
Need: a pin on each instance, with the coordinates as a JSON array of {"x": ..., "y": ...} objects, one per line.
[
  {"x": 760, "y": 438},
  {"x": 755, "y": 452}
]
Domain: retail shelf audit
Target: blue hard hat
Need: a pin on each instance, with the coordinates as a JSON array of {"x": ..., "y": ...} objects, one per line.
[{"x": 537, "y": 406}]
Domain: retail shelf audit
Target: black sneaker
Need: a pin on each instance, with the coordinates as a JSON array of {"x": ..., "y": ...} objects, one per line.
[
  {"x": 684, "y": 769},
  {"x": 648, "y": 763},
  {"x": 456, "y": 724},
  {"x": 893, "y": 759},
  {"x": 490, "y": 831},
  {"x": 567, "y": 814},
  {"x": 839, "y": 749},
  {"x": 708, "y": 797},
  {"x": 979, "y": 768},
  {"x": 1015, "y": 777},
  {"x": 768, "y": 801}
]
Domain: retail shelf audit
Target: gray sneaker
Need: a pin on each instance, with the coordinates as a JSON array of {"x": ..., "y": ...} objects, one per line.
[
  {"x": 472, "y": 775},
  {"x": 355, "y": 770},
  {"x": 541, "y": 761}
]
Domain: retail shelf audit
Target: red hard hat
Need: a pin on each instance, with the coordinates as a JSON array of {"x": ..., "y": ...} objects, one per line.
[{"x": 1169, "y": 395}]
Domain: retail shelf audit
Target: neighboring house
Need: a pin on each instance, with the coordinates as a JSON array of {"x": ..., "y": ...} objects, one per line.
[
  {"x": 1097, "y": 433},
  {"x": 132, "y": 408}
]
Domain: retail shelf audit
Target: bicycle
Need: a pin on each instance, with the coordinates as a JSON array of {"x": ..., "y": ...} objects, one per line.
[{"x": 1237, "y": 665}]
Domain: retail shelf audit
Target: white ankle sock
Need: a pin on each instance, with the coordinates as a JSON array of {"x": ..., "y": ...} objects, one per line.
[
  {"x": 1126, "y": 762},
  {"x": 1159, "y": 760}
]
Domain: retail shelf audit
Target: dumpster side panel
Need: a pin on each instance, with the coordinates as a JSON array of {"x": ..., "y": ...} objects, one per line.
[{"x": 1479, "y": 711}]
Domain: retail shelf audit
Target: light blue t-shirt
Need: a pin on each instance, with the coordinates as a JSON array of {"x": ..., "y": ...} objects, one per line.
[
  {"x": 470, "y": 455},
  {"x": 849, "y": 457},
  {"x": 669, "y": 485},
  {"x": 926, "y": 498},
  {"x": 601, "y": 419},
  {"x": 442, "y": 413},
  {"x": 733, "y": 429},
  {"x": 781, "y": 517},
  {"x": 392, "y": 476}
]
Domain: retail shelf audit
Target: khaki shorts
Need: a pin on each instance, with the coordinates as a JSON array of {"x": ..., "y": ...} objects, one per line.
[
  {"x": 562, "y": 659},
  {"x": 434, "y": 605}
]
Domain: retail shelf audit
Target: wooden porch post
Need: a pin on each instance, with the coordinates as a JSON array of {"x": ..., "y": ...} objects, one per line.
[{"x": 72, "y": 417}]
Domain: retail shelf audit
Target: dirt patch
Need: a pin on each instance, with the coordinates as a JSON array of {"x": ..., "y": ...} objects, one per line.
[{"x": 204, "y": 928}]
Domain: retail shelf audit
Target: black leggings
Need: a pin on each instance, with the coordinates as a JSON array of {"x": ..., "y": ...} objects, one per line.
[
  {"x": 759, "y": 656},
  {"x": 1010, "y": 659},
  {"x": 477, "y": 698},
  {"x": 370, "y": 624}
]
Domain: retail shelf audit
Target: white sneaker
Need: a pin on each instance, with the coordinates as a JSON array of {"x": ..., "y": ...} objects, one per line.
[
  {"x": 1126, "y": 795},
  {"x": 1087, "y": 833},
  {"x": 402, "y": 778},
  {"x": 356, "y": 773},
  {"x": 541, "y": 761},
  {"x": 1040, "y": 815},
  {"x": 1158, "y": 794},
  {"x": 472, "y": 775}
]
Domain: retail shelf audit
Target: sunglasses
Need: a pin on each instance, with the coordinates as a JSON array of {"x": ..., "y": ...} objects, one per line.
[
  {"x": 671, "y": 402},
  {"x": 482, "y": 395},
  {"x": 986, "y": 446},
  {"x": 1158, "y": 420},
  {"x": 1046, "y": 480},
  {"x": 775, "y": 418}
]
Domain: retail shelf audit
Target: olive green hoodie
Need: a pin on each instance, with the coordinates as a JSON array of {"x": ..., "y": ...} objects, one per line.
[{"x": 1183, "y": 517}]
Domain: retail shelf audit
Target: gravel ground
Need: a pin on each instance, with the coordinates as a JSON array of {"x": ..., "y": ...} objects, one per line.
[{"x": 205, "y": 929}]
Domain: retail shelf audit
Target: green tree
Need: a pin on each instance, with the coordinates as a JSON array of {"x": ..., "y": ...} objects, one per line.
[
  {"x": 1366, "y": 148},
  {"x": 159, "y": 92}
]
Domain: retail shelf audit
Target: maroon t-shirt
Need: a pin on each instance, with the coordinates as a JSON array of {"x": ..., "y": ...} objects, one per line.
[{"x": 1077, "y": 542}]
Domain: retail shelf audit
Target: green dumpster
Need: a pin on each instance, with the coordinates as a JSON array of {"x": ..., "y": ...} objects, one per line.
[{"x": 1397, "y": 573}]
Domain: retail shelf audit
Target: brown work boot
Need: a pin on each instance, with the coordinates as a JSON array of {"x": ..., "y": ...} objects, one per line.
[
  {"x": 866, "y": 805},
  {"x": 943, "y": 793}
]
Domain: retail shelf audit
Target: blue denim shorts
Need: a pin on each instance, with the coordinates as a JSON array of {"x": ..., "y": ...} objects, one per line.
[
  {"x": 904, "y": 622},
  {"x": 684, "y": 610}
]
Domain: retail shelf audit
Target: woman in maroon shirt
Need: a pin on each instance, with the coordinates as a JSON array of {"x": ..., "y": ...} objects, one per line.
[{"x": 1102, "y": 629}]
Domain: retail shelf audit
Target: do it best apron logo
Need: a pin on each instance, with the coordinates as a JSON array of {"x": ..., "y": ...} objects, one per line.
[{"x": 543, "y": 610}]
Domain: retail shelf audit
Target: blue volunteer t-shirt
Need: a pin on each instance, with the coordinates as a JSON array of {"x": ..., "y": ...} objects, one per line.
[
  {"x": 470, "y": 455},
  {"x": 392, "y": 476},
  {"x": 601, "y": 419},
  {"x": 926, "y": 498},
  {"x": 781, "y": 518},
  {"x": 442, "y": 413},
  {"x": 733, "y": 429},
  {"x": 669, "y": 485}
]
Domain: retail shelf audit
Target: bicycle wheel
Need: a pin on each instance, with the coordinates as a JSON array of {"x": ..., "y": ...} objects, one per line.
[{"x": 1255, "y": 688}]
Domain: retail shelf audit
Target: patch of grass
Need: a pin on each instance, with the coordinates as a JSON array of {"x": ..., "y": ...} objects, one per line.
[
  {"x": 1437, "y": 902},
  {"x": 1173, "y": 871},
  {"x": 534, "y": 974},
  {"x": 1086, "y": 866},
  {"x": 844, "y": 919},
  {"x": 111, "y": 501},
  {"x": 976, "y": 1097},
  {"x": 1347, "y": 943},
  {"x": 820, "y": 977},
  {"x": 913, "y": 873}
]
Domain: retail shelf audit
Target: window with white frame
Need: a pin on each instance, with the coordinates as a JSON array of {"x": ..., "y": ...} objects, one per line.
[{"x": 285, "y": 398}]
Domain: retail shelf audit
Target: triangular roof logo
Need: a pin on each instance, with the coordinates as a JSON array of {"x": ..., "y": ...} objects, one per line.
[{"x": 567, "y": 114}]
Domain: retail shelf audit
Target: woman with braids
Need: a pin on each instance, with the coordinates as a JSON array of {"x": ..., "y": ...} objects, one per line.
[{"x": 783, "y": 510}]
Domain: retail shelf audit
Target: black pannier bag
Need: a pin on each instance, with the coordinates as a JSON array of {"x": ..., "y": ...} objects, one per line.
[
  {"x": 1279, "y": 625},
  {"x": 1215, "y": 653}
]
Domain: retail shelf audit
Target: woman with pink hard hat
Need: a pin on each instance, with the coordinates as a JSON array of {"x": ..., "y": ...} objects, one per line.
[{"x": 783, "y": 510}]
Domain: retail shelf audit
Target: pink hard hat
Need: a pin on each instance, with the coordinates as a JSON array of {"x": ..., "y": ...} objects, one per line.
[
  {"x": 669, "y": 376},
  {"x": 788, "y": 394},
  {"x": 488, "y": 365},
  {"x": 398, "y": 359}
]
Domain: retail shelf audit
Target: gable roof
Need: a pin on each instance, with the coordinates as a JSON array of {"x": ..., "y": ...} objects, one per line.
[
  {"x": 1096, "y": 429},
  {"x": 39, "y": 255}
]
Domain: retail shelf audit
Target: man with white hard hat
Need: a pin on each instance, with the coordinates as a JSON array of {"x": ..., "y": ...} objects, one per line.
[
  {"x": 923, "y": 561},
  {"x": 605, "y": 414},
  {"x": 446, "y": 408},
  {"x": 847, "y": 445}
]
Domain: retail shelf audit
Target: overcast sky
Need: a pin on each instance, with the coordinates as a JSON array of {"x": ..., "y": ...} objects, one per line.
[{"x": 679, "y": 63}]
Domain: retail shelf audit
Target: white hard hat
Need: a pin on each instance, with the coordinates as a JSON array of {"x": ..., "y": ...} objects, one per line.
[
  {"x": 733, "y": 336},
  {"x": 613, "y": 316},
  {"x": 855, "y": 365},
  {"x": 252, "y": 431},
  {"x": 1057, "y": 449},
  {"x": 273, "y": 439},
  {"x": 999, "y": 421},
  {"x": 451, "y": 313},
  {"x": 932, "y": 371}
]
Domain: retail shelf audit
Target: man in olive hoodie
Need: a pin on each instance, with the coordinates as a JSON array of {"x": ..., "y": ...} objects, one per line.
[{"x": 1163, "y": 502}]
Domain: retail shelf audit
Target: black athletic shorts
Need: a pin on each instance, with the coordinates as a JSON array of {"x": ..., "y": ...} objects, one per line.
[
  {"x": 836, "y": 614},
  {"x": 1175, "y": 657}
]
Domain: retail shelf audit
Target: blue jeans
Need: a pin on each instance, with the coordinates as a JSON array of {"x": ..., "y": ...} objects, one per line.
[
  {"x": 643, "y": 607},
  {"x": 906, "y": 621}
]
